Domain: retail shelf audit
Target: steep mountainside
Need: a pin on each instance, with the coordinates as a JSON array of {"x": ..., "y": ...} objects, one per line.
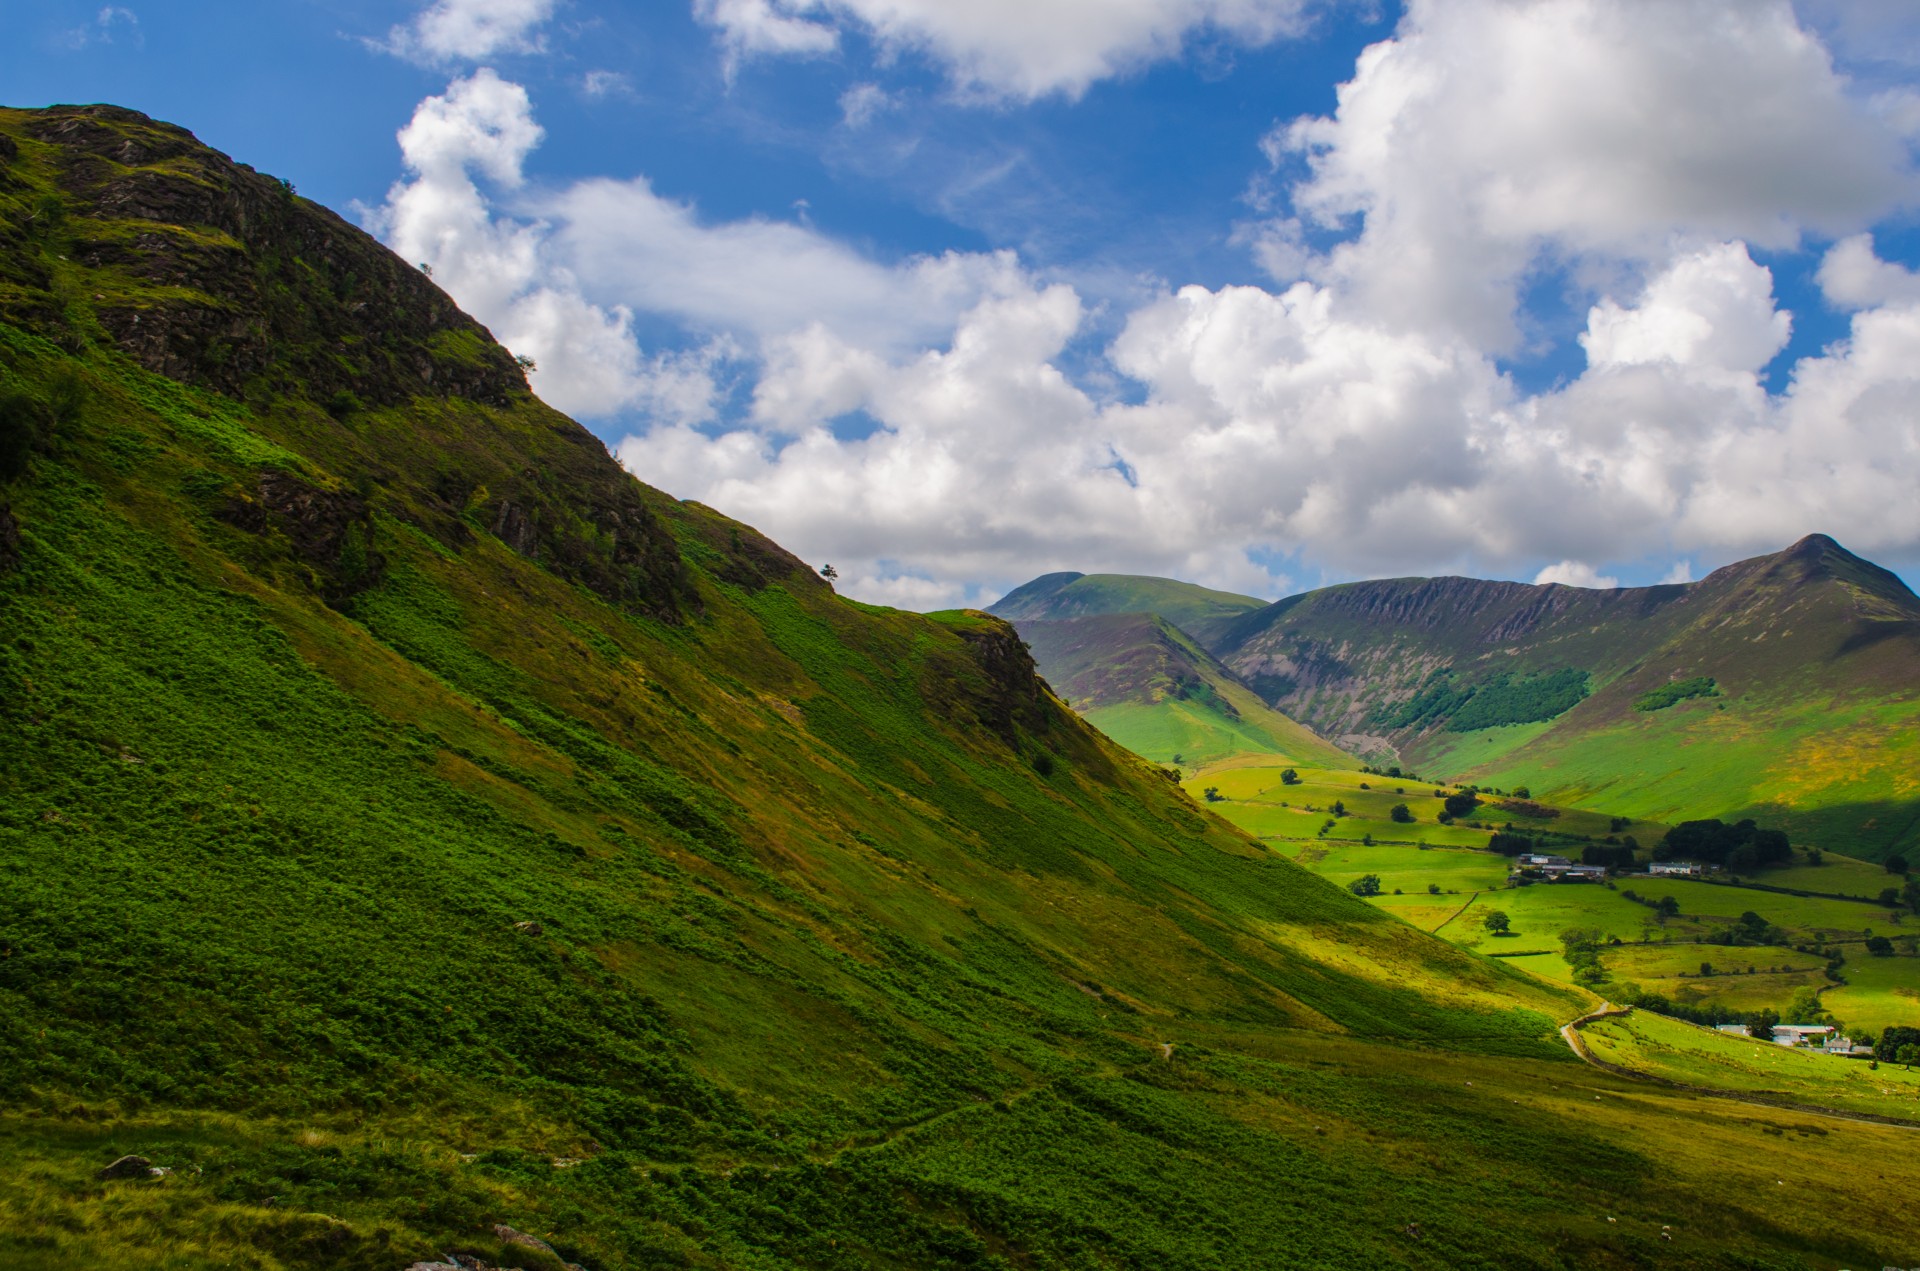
[
  {"x": 1151, "y": 687},
  {"x": 418, "y": 837},
  {"x": 1813, "y": 658}
]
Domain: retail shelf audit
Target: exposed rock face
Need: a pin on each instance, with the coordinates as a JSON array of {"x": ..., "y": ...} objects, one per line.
[
  {"x": 1014, "y": 694},
  {"x": 279, "y": 287},
  {"x": 207, "y": 272},
  {"x": 332, "y": 531}
]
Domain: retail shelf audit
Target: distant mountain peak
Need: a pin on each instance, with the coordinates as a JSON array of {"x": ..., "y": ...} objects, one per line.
[{"x": 1821, "y": 558}]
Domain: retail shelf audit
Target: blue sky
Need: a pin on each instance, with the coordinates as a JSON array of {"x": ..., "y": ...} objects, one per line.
[{"x": 1261, "y": 293}]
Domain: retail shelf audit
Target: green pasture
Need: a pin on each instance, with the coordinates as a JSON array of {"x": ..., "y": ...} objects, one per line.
[
  {"x": 1812, "y": 916},
  {"x": 1878, "y": 993},
  {"x": 1671, "y": 961},
  {"x": 1837, "y": 875},
  {"x": 1250, "y": 788},
  {"x": 1201, "y": 733},
  {"x": 1410, "y": 869},
  {"x": 1695, "y": 1055},
  {"x": 1549, "y": 966},
  {"x": 1539, "y": 914},
  {"x": 1452, "y": 754}
]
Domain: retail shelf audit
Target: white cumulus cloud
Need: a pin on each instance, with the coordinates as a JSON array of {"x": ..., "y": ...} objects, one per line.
[
  {"x": 501, "y": 269},
  {"x": 1489, "y": 133},
  {"x": 942, "y": 426},
  {"x": 1573, "y": 573},
  {"x": 1021, "y": 49},
  {"x": 470, "y": 30},
  {"x": 1852, "y": 276}
]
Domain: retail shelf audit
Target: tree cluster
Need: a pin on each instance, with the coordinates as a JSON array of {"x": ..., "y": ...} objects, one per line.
[
  {"x": 1887, "y": 1049},
  {"x": 1740, "y": 846},
  {"x": 1511, "y": 844},
  {"x": 1612, "y": 855}
]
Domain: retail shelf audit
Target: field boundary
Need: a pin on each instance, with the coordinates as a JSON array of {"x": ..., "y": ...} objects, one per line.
[
  {"x": 1570, "y": 1033},
  {"x": 1456, "y": 913}
]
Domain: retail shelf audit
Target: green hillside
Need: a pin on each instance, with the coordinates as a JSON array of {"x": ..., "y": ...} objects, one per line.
[
  {"x": 1199, "y": 611},
  {"x": 1152, "y": 688},
  {"x": 416, "y": 832}
]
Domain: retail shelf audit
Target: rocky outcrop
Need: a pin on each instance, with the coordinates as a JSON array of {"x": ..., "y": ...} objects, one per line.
[
  {"x": 998, "y": 687},
  {"x": 331, "y": 531},
  {"x": 243, "y": 280}
]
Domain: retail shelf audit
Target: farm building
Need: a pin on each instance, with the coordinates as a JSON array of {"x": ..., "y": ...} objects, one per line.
[
  {"x": 1822, "y": 1037},
  {"x": 1679, "y": 869}
]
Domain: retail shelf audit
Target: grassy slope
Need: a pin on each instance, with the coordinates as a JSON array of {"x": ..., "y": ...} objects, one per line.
[
  {"x": 1150, "y": 686},
  {"x": 370, "y": 888},
  {"x": 1700, "y": 1056}
]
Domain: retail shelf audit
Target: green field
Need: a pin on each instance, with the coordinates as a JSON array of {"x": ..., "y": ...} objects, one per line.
[
  {"x": 1699, "y": 1056},
  {"x": 1878, "y": 991},
  {"x": 1743, "y": 979},
  {"x": 1254, "y": 797},
  {"x": 1652, "y": 955}
]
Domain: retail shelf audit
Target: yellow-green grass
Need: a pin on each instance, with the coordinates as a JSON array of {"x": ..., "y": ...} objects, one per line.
[
  {"x": 1879, "y": 992},
  {"x": 1410, "y": 869},
  {"x": 1548, "y": 966},
  {"x": 1836, "y": 875},
  {"x": 1538, "y": 915},
  {"x": 1198, "y": 732},
  {"x": 1674, "y": 961},
  {"x": 1749, "y": 978},
  {"x": 1667, "y": 1178},
  {"x": 1838, "y": 775},
  {"x": 1812, "y": 915},
  {"x": 1695, "y": 1055},
  {"x": 1255, "y": 781},
  {"x": 1452, "y": 753}
]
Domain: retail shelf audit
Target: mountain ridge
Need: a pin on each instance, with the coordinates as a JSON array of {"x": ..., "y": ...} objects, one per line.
[{"x": 1820, "y": 644}]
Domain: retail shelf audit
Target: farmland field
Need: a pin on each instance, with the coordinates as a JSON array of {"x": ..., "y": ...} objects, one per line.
[
  {"x": 1878, "y": 991},
  {"x": 1442, "y": 879}
]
